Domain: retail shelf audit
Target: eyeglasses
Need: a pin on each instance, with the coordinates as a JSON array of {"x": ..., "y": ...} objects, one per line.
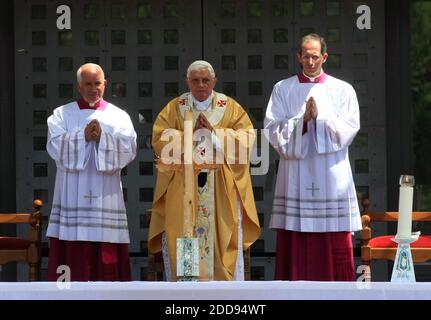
[
  {"x": 313, "y": 58},
  {"x": 197, "y": 81}
]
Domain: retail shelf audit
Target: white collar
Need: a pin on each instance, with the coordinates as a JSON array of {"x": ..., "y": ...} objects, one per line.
[
  {"x": 202, "y": 105},
  {"x": 312, "y": 79}
]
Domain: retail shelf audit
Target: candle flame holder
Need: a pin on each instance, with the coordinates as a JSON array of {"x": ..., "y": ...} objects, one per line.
[{"x": 407, "y": 181}]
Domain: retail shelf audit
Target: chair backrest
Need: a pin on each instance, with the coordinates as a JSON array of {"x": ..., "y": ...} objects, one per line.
[
  {"x": 14, "y": 249},
  {"x": 387, "y": 216},
  {"x": 381, "y": 247}
]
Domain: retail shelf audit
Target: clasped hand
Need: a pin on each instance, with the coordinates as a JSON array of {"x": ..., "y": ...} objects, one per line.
[
  {"x": 310, "y": 110},
  {"x": 93, "y": 131},
  {"x": 202, "y": 123}
]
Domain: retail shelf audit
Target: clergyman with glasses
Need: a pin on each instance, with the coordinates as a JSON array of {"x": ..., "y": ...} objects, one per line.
[
  {"x": 311, "y": 119},
  {"x": 226, "y": 220}
]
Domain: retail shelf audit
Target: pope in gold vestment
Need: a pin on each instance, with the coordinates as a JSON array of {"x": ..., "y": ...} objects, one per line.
[{"x": 232, "y": 188}]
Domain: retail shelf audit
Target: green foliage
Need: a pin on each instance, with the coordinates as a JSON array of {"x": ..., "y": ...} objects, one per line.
[{"x": 421, "y": 88}]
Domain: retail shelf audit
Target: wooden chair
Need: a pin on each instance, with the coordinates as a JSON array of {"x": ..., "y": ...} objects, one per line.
[
  {"x": 14, "y": 249},
  {"x": 382, "y": 247},
  {"x": 155, "y": 266}
]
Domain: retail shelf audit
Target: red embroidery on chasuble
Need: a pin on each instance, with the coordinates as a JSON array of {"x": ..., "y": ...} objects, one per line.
[{"x": 221, "y": 103}]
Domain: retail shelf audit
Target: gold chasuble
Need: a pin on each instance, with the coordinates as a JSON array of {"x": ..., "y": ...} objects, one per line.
[{"x": 217, "y": 201}]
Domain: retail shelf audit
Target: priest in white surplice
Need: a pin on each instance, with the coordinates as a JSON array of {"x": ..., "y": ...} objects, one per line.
[
  {"x": 311, "y": 120},
  {"x": 90, "y": 140}
]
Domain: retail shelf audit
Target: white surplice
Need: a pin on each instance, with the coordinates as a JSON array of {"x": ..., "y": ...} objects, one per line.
[
  {"x": 314, "y": 191},
  {"x": 88, "y": 202}
]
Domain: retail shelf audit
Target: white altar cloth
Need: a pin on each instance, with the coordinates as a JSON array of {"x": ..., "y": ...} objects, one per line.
[{"x": 215, "y": 290}]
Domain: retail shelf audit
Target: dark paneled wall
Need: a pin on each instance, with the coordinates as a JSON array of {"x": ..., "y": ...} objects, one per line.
[
  {"x": 398, "y": 97},
  {"x": 7, "y": 123}
]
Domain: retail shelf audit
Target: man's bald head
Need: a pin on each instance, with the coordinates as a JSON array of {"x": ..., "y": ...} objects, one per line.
[
  {"x": 91, "y": 68},
  {"x": 91, "y": 82}
]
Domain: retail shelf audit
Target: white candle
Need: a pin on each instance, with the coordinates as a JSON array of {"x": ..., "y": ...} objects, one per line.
[
  {"x": 189, "y": 176},
  {"x": 405, "y": 212},
  {"x": 188, "y": 137}
]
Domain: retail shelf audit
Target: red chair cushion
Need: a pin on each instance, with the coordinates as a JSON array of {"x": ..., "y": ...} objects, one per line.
[
  {"x": 386, "y": 242},
  {"x": 11, "y": 243}
]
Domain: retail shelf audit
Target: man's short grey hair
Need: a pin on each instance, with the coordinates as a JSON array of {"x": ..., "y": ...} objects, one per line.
[
  {"x": 95, "y": 66},
  {"x": 199, "y": 65}
]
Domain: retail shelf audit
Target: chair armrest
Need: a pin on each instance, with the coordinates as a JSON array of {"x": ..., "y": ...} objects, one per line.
[
  {"x": 15, "y": 217},
  {"x": 366, "y": 229},
  {"x": 36, "y": 222},
  {"x": 32, "y": 218},
  {"x": 393, "y": 216}
]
